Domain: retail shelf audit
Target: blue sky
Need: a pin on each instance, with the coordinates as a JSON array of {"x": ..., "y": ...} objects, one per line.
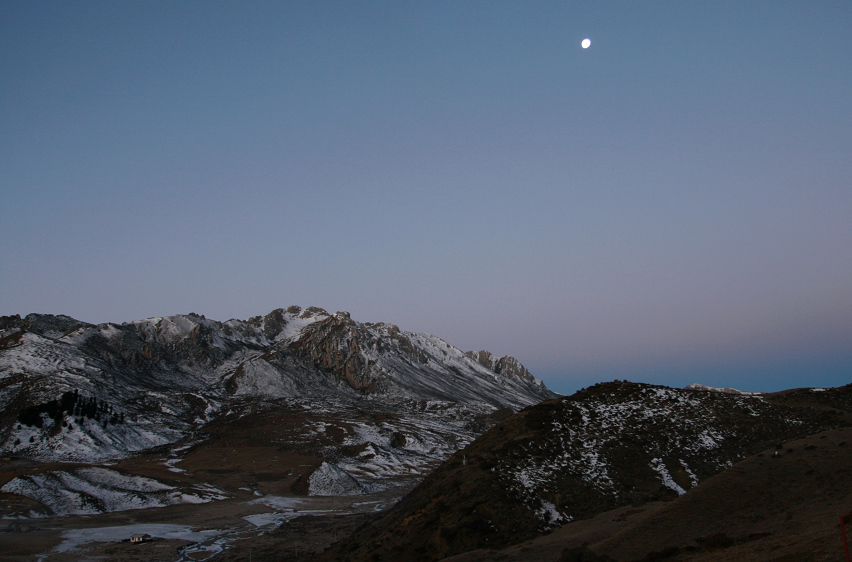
[{"x": 671, "y": 205}]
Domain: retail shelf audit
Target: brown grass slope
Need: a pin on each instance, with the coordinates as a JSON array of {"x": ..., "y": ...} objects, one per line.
[
  {"x": 578, "y": 456},
  {"x": 767, "y": 507}
]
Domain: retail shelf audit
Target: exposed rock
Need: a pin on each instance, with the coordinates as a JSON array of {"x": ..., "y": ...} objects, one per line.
[
  {"x": 10, "y": 322},
  {"x": 508, "y": 366},
  {"x": 49, "y": 325},
  {"x": 727, "y": 390},
  {"x": 271, "y": 325},
  {"x": 398, "y": 440},
  {"x": 334, "y": 345}
]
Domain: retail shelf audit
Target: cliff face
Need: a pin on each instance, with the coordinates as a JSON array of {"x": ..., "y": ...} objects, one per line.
[{"x": 507, "y": 366}]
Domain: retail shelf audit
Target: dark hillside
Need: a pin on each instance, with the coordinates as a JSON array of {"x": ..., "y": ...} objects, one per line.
[
  {"x": 767, "y": 507},
  {"x": 832, "y": 399},
  {"x": 783, "y": 507},
  {"x": 614, "y": 444}
]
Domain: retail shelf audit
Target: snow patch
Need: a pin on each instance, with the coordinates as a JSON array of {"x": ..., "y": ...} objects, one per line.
[
  {"x": 75, "y": 537},
  {"x": 100, "y": 490},
  {"x": 726, "y": 390},
  {"x": 692, "y": 477},
  {"x": 331, "y": 480},
  {"x": 549, "y": 514},
  {"x": 278, "y": 502},
  {"x": 660, "y": 468}
]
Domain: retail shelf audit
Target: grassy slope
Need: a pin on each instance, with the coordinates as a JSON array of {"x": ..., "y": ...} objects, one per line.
[
  {"x": 764, "y": 508},
  {"x": 767, "y": 507},
  {"x": 463, "y": 505}
]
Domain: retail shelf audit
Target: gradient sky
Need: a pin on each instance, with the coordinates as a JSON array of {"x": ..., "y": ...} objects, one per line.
[{"x": 671, "y": 205}]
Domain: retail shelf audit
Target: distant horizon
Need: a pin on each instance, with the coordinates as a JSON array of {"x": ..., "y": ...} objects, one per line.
[
  {"x": 672, "y": 204},
  {"x": 567, "y": 383}
]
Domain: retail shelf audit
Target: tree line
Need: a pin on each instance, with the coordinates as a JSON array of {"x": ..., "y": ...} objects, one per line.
[{"x": 71, "y": 404}]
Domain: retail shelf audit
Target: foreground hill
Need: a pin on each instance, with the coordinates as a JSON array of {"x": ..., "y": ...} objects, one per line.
[
  {"x": 768, "y": 507},
  {"x": 780, "y": 504},
  {"x": 614, "y": 444}
]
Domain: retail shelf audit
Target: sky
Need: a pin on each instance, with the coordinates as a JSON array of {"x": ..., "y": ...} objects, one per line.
[{"x": 671, "y": 205}]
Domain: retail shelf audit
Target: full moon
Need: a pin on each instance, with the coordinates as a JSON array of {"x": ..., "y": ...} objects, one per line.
[{"x": 585, "y": 43}]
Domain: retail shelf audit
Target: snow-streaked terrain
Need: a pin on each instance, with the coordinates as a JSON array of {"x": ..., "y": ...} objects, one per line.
[
  {"x": 86, "y": 491},
  {"x": 680, "y": 436},
  {"x": 330, "y": 480},
  {"x": 398, "y": 403}
]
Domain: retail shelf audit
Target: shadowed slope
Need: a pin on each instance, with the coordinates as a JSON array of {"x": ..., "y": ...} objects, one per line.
[
  {"x": 767, "y": 507},
  {"x": 611, "y": 445},
  {"x": 785, "y": 507}
]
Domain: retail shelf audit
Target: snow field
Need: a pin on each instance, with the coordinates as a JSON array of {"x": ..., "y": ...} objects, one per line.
[
  {"x": 76, "y": 537},
  {"x": 100, "y": 490}
]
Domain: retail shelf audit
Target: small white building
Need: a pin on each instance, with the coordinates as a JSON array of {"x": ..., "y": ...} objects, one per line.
[{"x": 135, "y": 539}]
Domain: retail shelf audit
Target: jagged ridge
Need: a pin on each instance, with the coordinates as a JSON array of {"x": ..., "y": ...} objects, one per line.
[{"x": 167, "y": 376}]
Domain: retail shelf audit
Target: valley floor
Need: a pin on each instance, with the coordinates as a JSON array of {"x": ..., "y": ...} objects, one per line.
[
  {"x": 256, "y": 528},
  {"x": 237, "y": 487}
]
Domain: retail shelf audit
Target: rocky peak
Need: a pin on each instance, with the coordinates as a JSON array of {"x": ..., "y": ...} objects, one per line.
[
  {"x": 174, "y": 372},
  {"x": 335, "y": 344},
  {"x": 484, "y": 358},
  {"x": 507, "y": 366},
  {"x": 311, "y": 311},
  {"x": 46, "y": 324},
  {"x": 511, "y": 367},
  {"x": 288, "y": 352},
  {"x": 727, "y": 390},
  {"x": 272, "y": 324},
  {"x": 10, "y": 322}
]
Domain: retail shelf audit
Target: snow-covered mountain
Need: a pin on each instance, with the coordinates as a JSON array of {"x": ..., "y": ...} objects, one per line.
[{"x": 73, "y": 391}]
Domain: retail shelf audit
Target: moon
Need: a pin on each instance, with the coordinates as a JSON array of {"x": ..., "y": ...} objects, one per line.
[{"x": 585, "y": 43}]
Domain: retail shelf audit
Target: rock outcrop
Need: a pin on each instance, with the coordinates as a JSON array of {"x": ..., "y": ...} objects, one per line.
[{"x": 508, "y": 365}]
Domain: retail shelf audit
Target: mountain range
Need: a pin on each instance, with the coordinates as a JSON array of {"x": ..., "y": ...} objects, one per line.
[
  {"x": 155, "y": 381},
  {"x": 406, "y": 448}
]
